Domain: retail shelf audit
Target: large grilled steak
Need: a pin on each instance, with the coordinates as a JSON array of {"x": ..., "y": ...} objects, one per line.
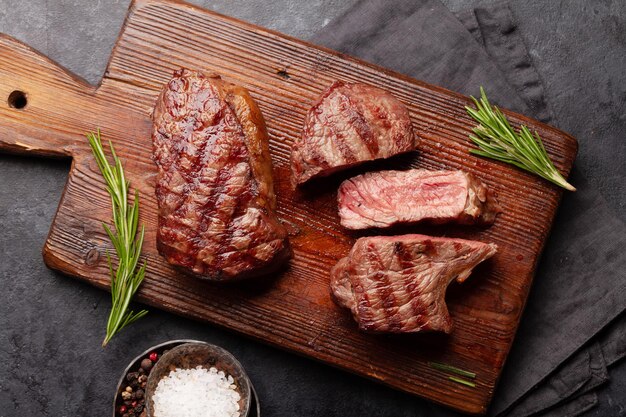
[
  {"x": 349, "y": 124},
  {"x": 382, "y": 199},
  {"x": 214, "y": 185},
  {"x": 397, "y": 284}
]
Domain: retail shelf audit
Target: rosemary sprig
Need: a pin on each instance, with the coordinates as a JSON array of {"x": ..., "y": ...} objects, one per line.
[
  {"x": 454, "y": 370},
  {"x": 126, "y": 279},
  {"x": 497, "y": 139}
]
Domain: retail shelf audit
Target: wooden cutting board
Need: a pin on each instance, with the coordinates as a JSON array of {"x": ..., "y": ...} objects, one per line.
[{"x": 293, "y": 310}]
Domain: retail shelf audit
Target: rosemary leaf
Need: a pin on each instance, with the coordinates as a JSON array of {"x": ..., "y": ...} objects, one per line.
[
  {"x": 496, "y": 139},
  {"x": 452, "y": 369},
  {"x": 462, "y": 381},
  {"x": 126, "y": 278}
]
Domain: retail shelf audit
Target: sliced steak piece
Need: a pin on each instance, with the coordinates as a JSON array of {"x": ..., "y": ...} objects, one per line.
[
  {"x": 397, "y": 284},
  {"x": 382, "y": 199},
  {"x": 349, "y": 124},
  {"x": 214, "y": 184}
]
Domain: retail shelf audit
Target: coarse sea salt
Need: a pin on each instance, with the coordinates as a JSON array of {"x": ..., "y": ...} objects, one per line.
[{"x": 197, "y": 392}]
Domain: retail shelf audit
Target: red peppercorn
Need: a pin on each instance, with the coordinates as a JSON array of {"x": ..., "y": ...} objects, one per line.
[
  {"x": 153, "y": 356},
  {"x": 133, "y": 404},
  {"x": 122, "y": 409}
]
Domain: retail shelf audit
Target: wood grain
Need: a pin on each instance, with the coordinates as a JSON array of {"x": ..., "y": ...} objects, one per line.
[{"x": 292, "y": 310}]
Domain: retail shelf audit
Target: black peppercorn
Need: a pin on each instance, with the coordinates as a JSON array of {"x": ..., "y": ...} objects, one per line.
[
  {"x": 146, "y": 364},
  {"x": 139, "y": 394}
]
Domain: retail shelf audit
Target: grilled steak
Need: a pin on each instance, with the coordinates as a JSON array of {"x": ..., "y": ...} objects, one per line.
[
  {"x": 347, "y": 125},
  {"x": 382, "y": 199},
  {"x": 397, "y": 284},
  {"x": 214, "y": 185}
]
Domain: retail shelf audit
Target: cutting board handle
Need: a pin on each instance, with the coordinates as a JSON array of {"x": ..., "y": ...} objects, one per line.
[{"x": 40, "y": 103}]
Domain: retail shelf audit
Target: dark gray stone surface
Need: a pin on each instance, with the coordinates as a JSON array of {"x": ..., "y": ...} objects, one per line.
[{"x": 51, "y": 326}]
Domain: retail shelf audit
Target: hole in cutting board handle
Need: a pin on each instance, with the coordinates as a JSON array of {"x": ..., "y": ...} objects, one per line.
[{"x": 17, "y": 99}]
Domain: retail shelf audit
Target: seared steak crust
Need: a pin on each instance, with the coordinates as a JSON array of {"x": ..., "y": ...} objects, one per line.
[
  {"x": 350, "y": 123},
  {"x": 382, "y": 199},
  {"x": 214, "y": 185},
  {"x": 397, "y": 284}
]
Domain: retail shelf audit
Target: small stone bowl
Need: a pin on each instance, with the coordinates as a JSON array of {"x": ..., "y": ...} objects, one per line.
[
  {"x": 190, "y": 355},
  {"x": 255, "y": 408}
]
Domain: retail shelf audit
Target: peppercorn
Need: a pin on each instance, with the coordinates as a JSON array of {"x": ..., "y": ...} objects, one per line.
[
  {"x": 146, "y": 364},
  {"x": 129, "y": 389},
  {"x": 153, "y": 356},
  {"x": 139, "y": 394},
  {"x": 141, "y": 371},
  {"x": 122, "y": 409},
  {"x": 133, "y": 404},
  {"x": 131, "y": 376},
  {"x": 142, "y": 378},
  {"x": 126, "y": 395},
  {"x": 138, "y": 409}
]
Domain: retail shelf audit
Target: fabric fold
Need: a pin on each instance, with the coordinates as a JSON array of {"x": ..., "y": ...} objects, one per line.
[
  {"x": 582, "y": 373},
  {"x": 423, "y": 40},
  {"x": 613, "y": 341},
  {"x": 505, "y": 46}
]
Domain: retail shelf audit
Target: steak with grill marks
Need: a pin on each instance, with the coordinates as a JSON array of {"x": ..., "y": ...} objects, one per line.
[
  {"x": 214, "y": 185},
  {"x": 382, "y": 199},
  {"x": 397, "y": 284},
  {"x": 349, "y": 124}
]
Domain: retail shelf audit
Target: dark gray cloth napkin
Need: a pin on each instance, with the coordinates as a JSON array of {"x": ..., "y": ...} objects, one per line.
[{"x": 561, "y": 354}]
